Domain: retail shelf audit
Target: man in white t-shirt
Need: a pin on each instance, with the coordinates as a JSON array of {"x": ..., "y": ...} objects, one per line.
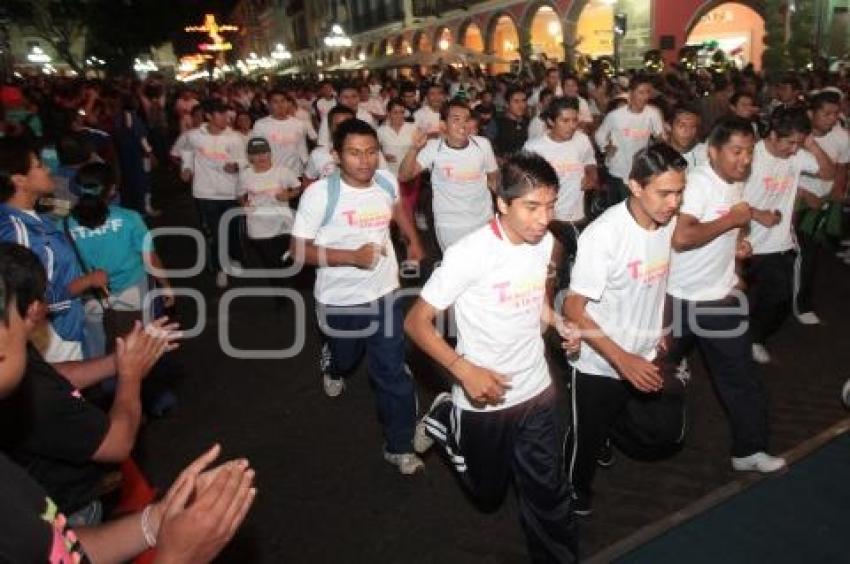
[
  {"x": 570, "y": 89},
  {"x": 627, "y": 130},
  {"x": 706, "y": 302},
  {"x": 551, "y": 82},
  {"x": 212, "y": 161},
  {"x": 616, "y": 298},
  {"x": 322, "y": 105},
  {"x": 350, "y": 98},
  {"x": 286, "y": 134},
  {"x": 265, "y": 190},
  {"x": 500, "y": 425},
  {"x": 684, "y": 127},
  {"x": 778, "y": 162},
  {"x": 571, "y": 154},
  {"x": 463, "y": 171},
  {"x": 427, "y": 118},
  {"x": 815, "y": 194},
  {"x": 343, "y": 227}
]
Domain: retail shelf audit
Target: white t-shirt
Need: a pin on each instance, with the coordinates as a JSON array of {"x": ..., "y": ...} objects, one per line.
[
  {"x": 206, "y": 157},
  {"x": 288, "y": 140},
  {"x": 698, "y": 155},
  {"x": 462, "y": 200},
  {"x": 322, "y": 163},
  {"x": 265, "y": 215},
  {"x": 622, "y": 269},
  {"x": 568, "y": 158},
  {"x": 707, "y": 272},
  {"x": 498, "y": 292},
  {"x": 537, "y": 128},
  {"x": 361, "y": 216},
  {"x": 304, "y": 115},
  {"x": 396, "y": 144},
  {"x": 427, "y": 119},
  {"x": 629, "y": 133},
  {"x": 584, "y": 113},
  {"x": 773, "y": 186},
  {"x": 836, "y": 144}
]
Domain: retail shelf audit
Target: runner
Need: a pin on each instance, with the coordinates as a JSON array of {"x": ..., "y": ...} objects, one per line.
[
  {"x": 501, "y": 424},
  {"x": 707, "y": 305}
]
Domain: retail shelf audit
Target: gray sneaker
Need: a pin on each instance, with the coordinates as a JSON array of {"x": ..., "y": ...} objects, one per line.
[
  {"x": 422, "y": 441},
  {"x": 407, "y": 462}
]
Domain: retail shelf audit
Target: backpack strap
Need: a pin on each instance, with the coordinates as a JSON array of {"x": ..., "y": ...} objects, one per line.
[{"x": 334, "y": 186}]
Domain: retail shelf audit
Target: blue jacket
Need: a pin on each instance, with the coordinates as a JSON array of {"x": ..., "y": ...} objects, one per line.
[{"x": 48, "y": 242}]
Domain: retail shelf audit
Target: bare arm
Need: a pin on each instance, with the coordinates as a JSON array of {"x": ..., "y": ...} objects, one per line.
[
  {"x": 405, "y": 225},
  {"x": 306, "y": 251},
  {"x": 493, "y": 180},
  {"x": 839, "y": 187},
  {"x": 826, "y": 168},
  {"x": 690, "y": 233},
  {"x": 641, "y": 373},
  {"x": 409, "y": 167},
  {"x": 84, "y": 373}
]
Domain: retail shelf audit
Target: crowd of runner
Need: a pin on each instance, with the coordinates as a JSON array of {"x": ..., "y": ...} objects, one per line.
[{"x": 625, "y": 220}]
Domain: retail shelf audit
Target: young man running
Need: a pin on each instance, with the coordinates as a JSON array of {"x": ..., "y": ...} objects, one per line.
[
  {"x": 771, "y": 191},
  {"x": 627, "y": 130},
  {"x": 684, "y": 127},
  {"x": 286, "y": 134},
  {"x": 343, "y": 227},
  {"x": 500, "y": 425},
  {"x": 705, "y": 297},
  {"x": 616, "y": 298},
  {"x": 462, "y": 167}
]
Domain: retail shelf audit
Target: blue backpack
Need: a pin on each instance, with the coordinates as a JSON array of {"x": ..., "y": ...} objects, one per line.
[{"x": 335, "y": 187}]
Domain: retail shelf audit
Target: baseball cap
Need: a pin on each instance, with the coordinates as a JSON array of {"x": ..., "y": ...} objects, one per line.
[{"x": 258, "y": 146}]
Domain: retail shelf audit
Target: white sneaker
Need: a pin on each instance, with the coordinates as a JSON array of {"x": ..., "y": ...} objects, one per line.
[
  {"x": 407, "y": 462},
  {"x": 760, "y": 354},
  {"x": 221, "y": 279},
  {"x": 421, "y": 440},
  {"x": 683, "y": 372},
  {"x": 845, "y": 394},
  {"x": 808, "y": 318},
  {"x": 759, "y": 462},
  {"x": 421, "y": 221},
  {"x": 333, "y": 386}
]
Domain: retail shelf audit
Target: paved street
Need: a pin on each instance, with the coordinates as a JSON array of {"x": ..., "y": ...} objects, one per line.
[{"x": 325, "y": 493}]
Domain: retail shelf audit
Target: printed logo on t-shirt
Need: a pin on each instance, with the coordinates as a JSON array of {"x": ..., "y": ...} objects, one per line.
[
  {"x": 518, "y": 294},
  {"x": 214, "y": 154},
  {"x": 282, "y": 139},
  {"x": 636, "y": 133},
  {"x": 368, "y": 218},
  {"x": 461, "y": 174},
  {"x": 109, "y": 226},
  {"x": 778, "y": 184},
  {"x": 567, "y": 168},
  {"x": 649, "y": 272}
]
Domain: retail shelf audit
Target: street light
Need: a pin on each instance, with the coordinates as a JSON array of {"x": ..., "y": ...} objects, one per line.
[
  {"x": 337, "y": 37},
  {"x": 280, "y": 53},
  {"x": 37, "y": 55}
]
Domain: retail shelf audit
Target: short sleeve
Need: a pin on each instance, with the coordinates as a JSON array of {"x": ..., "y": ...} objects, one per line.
[
  {"x": 311, "y": 211},
  {"x": 139, "y": 235},
  {"x": 490, "y": 164},
  {"x": 806, "y": 162},
  {"x": 844, "y": 154},
  {"x": 588, "y": 155},
  {"x": 589, "y": 275},
  {"x": 459, "y": 269},
  {"x": 311, "y": 170},
  {"x": 426, "y": 156},
  {"x": 694, "y": 198},
  {"x": 656, "y": 123}
]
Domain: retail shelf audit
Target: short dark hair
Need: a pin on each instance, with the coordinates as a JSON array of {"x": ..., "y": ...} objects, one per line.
[
  {"x": 453, "y": 103},
  {"x": 823, "y": 98},
  {"x": 15, "y": 158},
  {"x": 654, "y": 160},
  {"x": 523, "y": 172},
  {"x": 557, "y": 105},
  {"x": 23, "y": 276},
  {"x": 570, "y": 76},
  {"x": 680, "y": 109},
  {"x": 736, "y": 97},
  {"x": 352, "y": 127},
  {"x": 434, "y": 85},
  {"x": 95, "y": 181},
  {"x": 725, "y": 127},
  {"x": 393, "y": 102},
  {"x": 407, "y": 88},
  {"x": 74, "y": 149},
  {"x": 792, "y": 81},
  {"x": 347, "y": 86},
  {"x": 513, "y": 91},
  {"x": 338, "y": 110},
  {"x": 279, "y": 92},
  {"x": 639, "y": 79},
  {"x": 788, "y": 121}
]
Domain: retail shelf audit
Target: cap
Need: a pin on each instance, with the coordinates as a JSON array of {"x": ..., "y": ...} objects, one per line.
[{"x": 258, "y": 146}]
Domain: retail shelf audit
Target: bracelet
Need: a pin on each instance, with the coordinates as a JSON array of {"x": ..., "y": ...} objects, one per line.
[
  {"x": 150, "y": 536},
  {"x": 453, "y": 362}
]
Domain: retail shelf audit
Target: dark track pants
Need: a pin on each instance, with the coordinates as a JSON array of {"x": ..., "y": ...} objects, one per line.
[{"x": 520, "y": 444}]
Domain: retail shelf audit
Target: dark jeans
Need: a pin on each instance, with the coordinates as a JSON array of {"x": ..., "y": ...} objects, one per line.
[
  {"x": 729, "y": 358},
  {"x": 641, "y": 425},
  {"x": 375, "y": 328},
  {"x": 522, "y": 445},
  {"x": 212, "y": 212},
  {"x": 771, "y": 281}
]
